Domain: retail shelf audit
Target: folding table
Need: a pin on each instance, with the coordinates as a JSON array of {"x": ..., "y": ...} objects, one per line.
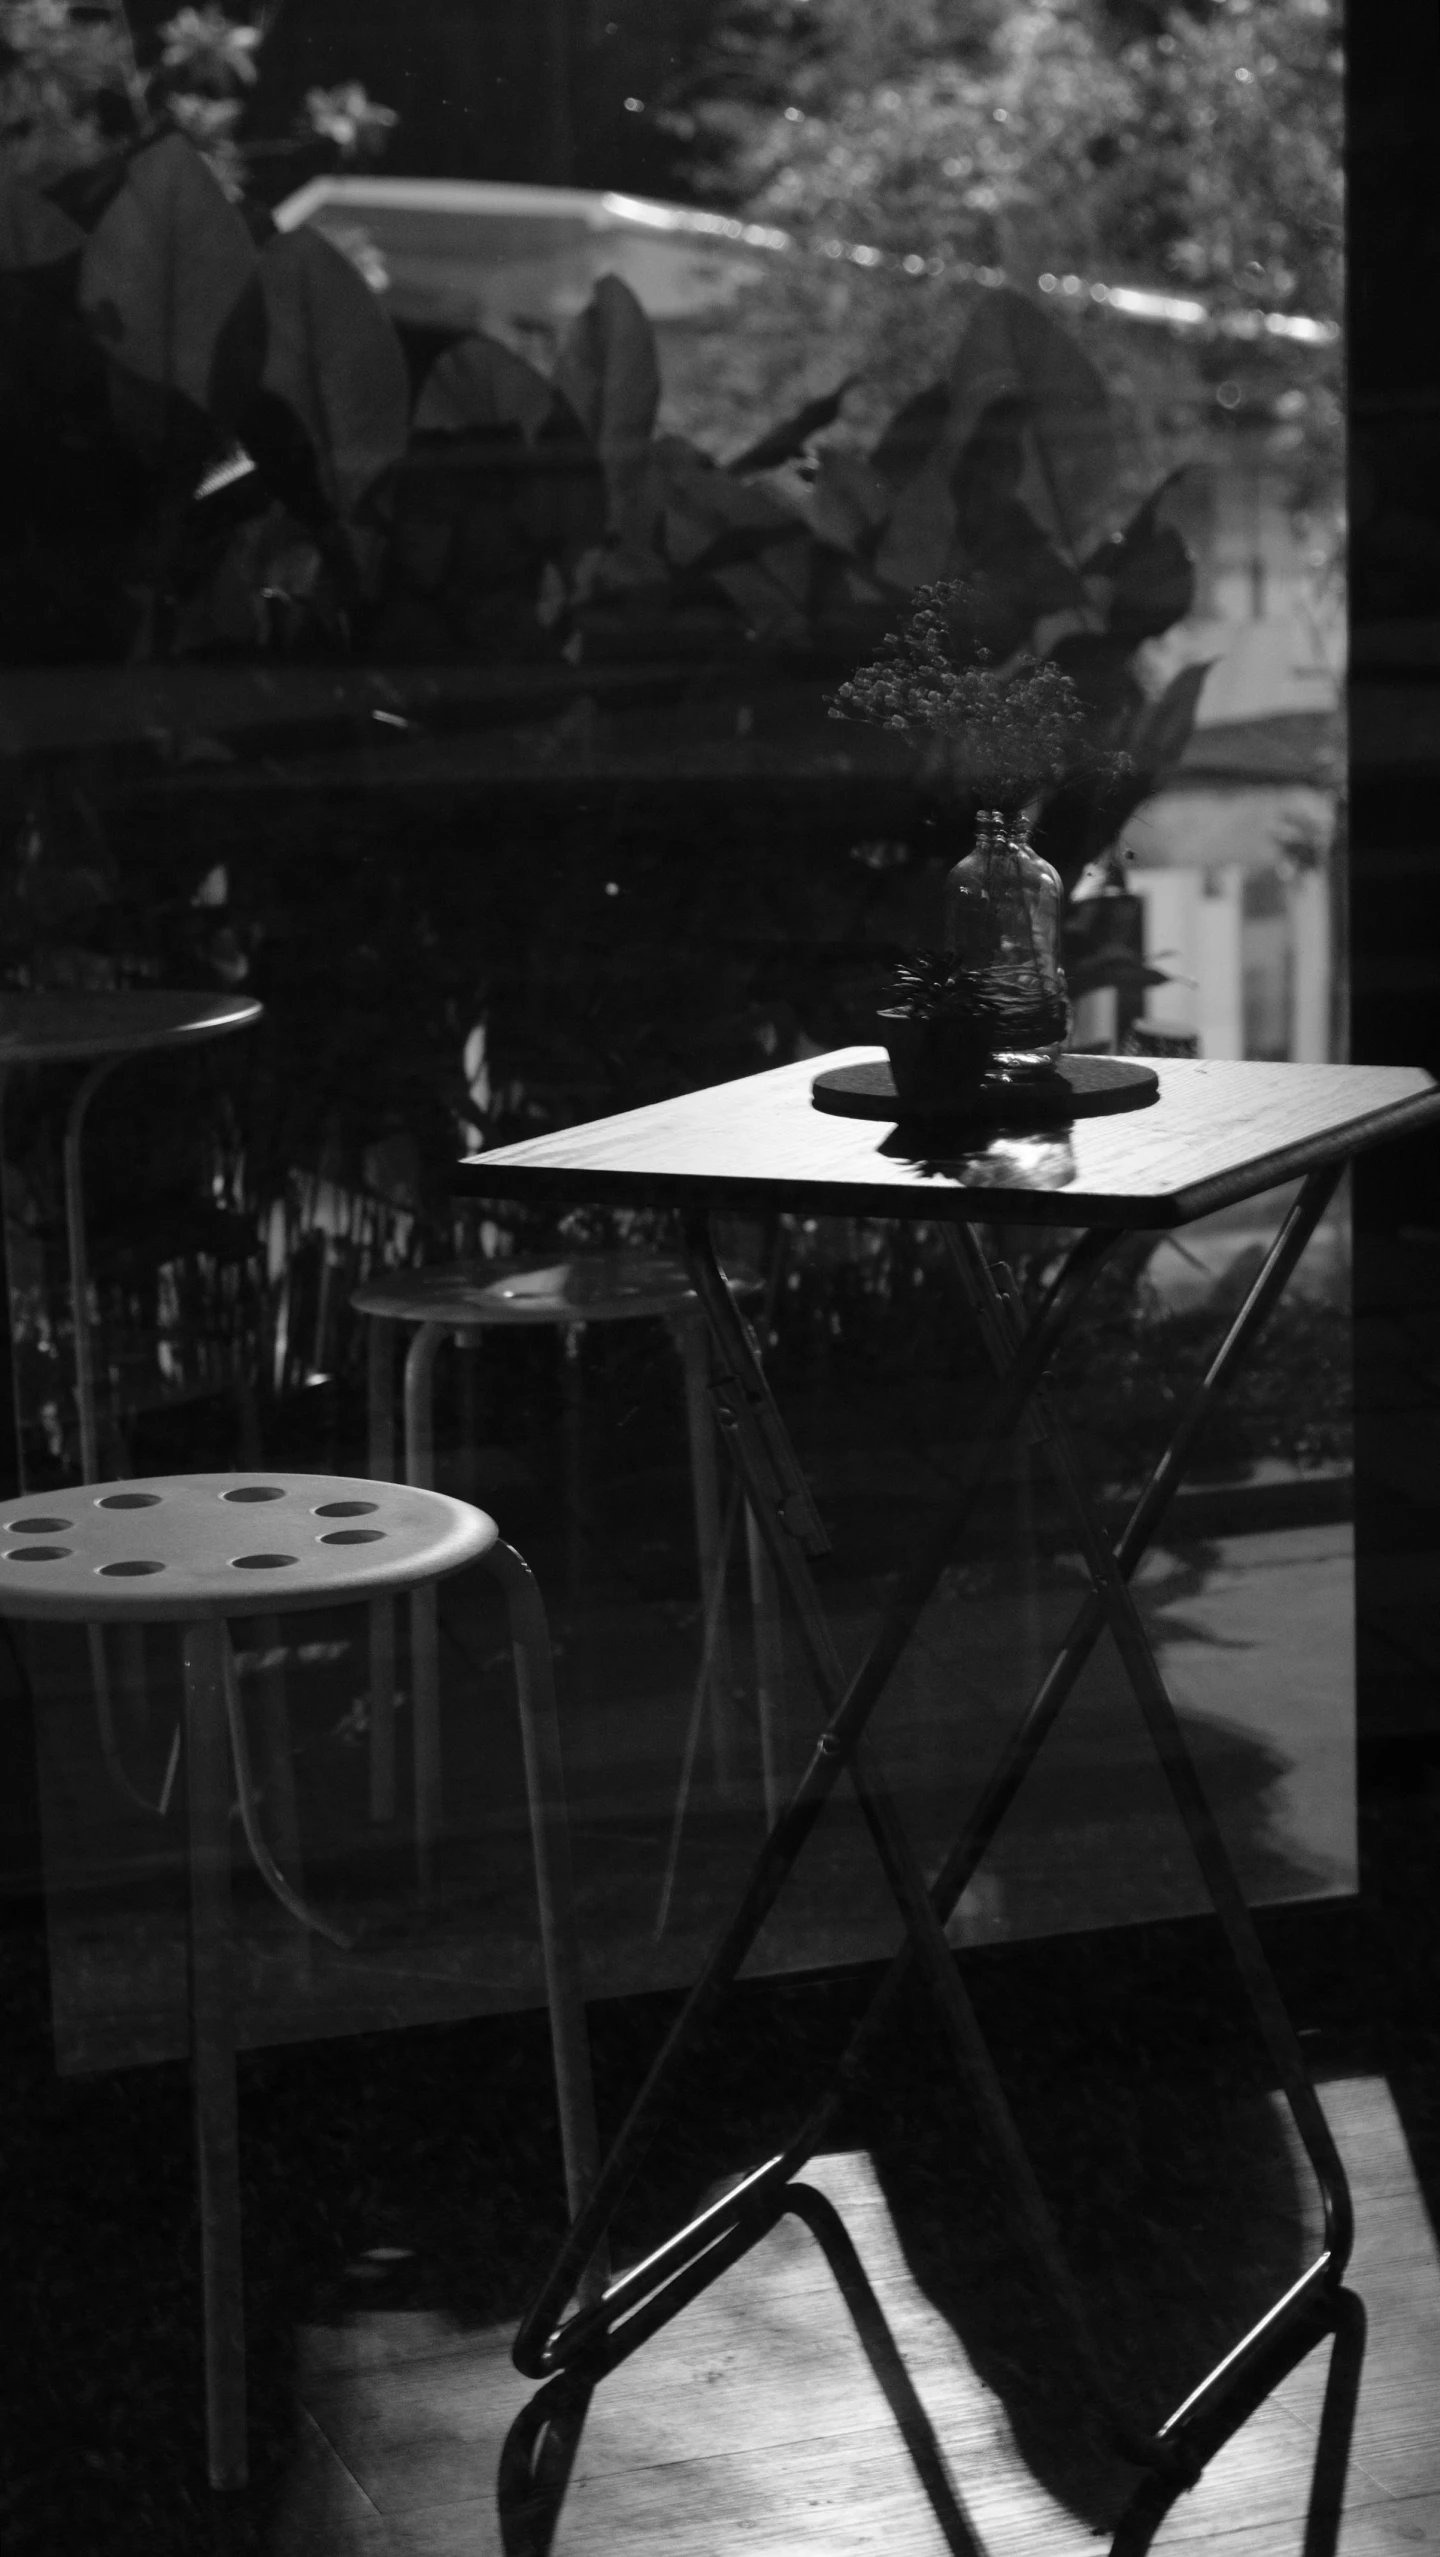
[{"x": 1210, "y": 1134}]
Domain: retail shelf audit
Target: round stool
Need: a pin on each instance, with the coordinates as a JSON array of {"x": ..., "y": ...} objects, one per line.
[
  {"x": 594, "y": 1287},
  {"x": 102, "y": 1030},
  {"x": 193, "y": 1550}
]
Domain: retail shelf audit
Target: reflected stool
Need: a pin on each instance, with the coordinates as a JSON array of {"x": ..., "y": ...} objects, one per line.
[
  {"x": 194, "y": 1550},
  {"x": 102, "y": 1030},
  {"x": 567, "y": 1294}
]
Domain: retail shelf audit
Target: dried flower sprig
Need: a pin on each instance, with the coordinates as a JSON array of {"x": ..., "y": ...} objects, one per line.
[{"x": 1003, "y": 737}]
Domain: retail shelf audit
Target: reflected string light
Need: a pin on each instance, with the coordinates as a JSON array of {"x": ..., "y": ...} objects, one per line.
[{"x": 1131, "y": 301}]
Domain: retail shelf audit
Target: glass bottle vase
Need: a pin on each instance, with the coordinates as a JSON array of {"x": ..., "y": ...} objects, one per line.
[{"x": 1002, "y": 923}]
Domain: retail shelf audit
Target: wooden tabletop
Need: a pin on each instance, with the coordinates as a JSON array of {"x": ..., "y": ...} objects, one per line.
[
  {"x": 64, "y": 1029},
  {"x": 1218, "y": 1130}
]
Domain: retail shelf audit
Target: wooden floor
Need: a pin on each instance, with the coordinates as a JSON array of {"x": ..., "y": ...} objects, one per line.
[{"x": 756, "y": 2421}]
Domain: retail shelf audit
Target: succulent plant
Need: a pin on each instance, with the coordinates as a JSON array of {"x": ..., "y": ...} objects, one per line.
[{"x": 936, "y": 985}]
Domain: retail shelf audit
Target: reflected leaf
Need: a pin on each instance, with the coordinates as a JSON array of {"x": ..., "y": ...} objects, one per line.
[
  {"x": 481, "y": 383},
  {"x": 1014, "y": 352},
  {"x": 33, "y": 231},
  {"x": 163, "y": 270},
  {"x": 335, "y": 363},
  {"x": 609, "y": 371}
]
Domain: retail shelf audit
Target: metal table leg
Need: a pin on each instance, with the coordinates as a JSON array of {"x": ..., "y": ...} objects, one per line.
[
  {"x": 785, "y": 1515},
  {"x": 996, "y": 1305},
  {"x": 642, "y": 2300},
  {"x": 712, "y": 1548}
]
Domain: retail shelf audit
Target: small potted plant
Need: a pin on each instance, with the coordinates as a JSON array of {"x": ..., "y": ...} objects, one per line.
[
  {"x": 993, "y": 1001},
  {"x": 939, "y": 1033}
]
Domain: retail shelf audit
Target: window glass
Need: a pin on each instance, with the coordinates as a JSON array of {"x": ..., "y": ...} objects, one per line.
[{"x": 465, "y": 454}]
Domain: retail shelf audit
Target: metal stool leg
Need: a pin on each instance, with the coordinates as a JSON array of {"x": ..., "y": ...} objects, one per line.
[
  {"x": 8, "y": 1220},
  {"x": 572, "y": 1431},
  {"x": 424, "y": 1607},
  {"x": 691, "y": 1341},
  {"x": 85, "y": 1406},
  {"x": 212, "y": 2048},
  {"x": 769, "y": 1667},
  {"x": 278, "y": 1765},
  {"x": 381, "y": 1407},
  {"x": 80, "y": 1269},
  {"x": 110, "y": 1749},
  {"x": 554, "y": 1882}
]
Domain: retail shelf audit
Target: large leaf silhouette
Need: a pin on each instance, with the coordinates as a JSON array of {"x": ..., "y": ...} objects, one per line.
[
  {"x": 779, "y": 443},
  {"x": 1099, "y": 667},
  {"x": 961, "y": 517},
  {"x": 920, "y": 537},
  {"x": 46, "y": 354},
  {"x": 1013, "y": 352},
  {"x": 911, "y": 438},
  {"x": 33, "y": 231},
  {"x": 1150, "y": 572},
  {"x": 702, "y": 506},
  {"x": 164, "y": 269},
  {"x": 608, "y": 370},
  {"x": 1081, "y": 820},
  {"x": 480, "y": 383},
  {"x": 758, "y": 551},
  {"x": 335, "y": 362},
  {"x": 912, "y": 459},
  {"x": 848, "y": 502},
  {"x": 503, "y": 423},
  {"x": 1163, "y": 729}
]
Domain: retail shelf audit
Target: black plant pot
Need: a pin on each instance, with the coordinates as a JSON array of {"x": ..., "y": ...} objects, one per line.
[{"x": 938, "y": 1065}]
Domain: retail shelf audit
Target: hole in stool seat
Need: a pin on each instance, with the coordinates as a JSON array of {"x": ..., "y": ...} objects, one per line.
[
  {"x": 355, "y": 1536},
  {"x": 346, "y": 1508},
  {"x": 262, "y": 1562},
  {"x": 39, "y": 1526},
  {"x": 130, "y": 1500},
  {"x": 255, "y": 1491},
  {"x": 38, "y": 1553},
  {"x": 128, "y": 1571}
]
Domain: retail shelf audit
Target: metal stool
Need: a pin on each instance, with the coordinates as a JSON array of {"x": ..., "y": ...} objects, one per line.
[
  {"x": 596, "y": 1287},
  {"x": 193, "y": 1550}
]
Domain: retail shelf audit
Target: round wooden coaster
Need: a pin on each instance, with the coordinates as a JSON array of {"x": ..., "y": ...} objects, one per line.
[{"x": 1084, "y": 1088}]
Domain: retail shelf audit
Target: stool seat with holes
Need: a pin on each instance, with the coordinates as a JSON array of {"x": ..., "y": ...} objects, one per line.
[
  {"x": 194, "y": 1550},
  {"x": 568, "y": 1293}
]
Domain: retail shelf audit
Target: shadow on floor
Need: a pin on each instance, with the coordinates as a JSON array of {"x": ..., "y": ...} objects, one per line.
[{"x": 420, "y": 2170}]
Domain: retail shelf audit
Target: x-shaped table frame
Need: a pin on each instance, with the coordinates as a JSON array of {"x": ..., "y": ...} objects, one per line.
[{"x": 607, "y": 2327}]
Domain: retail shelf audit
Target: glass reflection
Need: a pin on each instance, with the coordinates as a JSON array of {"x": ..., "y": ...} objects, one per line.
[{"x": 1001, "y": 1163}]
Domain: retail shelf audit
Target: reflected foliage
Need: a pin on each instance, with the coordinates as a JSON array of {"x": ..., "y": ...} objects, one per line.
[{"x": 230, "y": 453}]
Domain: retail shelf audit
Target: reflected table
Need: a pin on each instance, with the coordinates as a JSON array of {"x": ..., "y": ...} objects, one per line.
[
  {"x": 1208, "y": 1135},
  {"x": 101, "y": 1031}
]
